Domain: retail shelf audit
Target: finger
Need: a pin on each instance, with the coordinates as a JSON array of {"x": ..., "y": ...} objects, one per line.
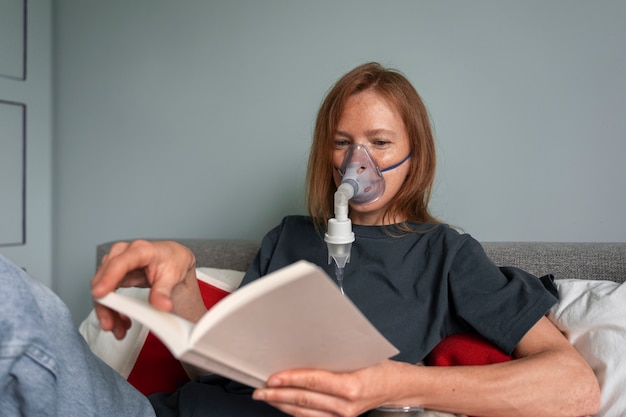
[
  {"x": 105, "y": 316},
  {"x": 111, "y": 320},
  {"x": 311, "y": 379},
  {"x": 117, "y": 248},
  {"x": 161, "y": 295},
  {"x": 166, "y": 280},
  {"x": 296, "y": 411},
  {"x": 122, "y": 324},
  {"x": 298, "y": 402},
  {"x": 318, "y": 390},
  {"x": 123, "y": 260}
]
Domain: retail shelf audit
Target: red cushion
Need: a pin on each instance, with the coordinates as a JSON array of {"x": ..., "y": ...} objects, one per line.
[
  {"x": 156, "y": 370},
  {"x": 465, "y": 349}
]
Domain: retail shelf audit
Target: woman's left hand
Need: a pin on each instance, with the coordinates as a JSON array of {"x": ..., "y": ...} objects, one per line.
[{"x": 317, "y": 393}]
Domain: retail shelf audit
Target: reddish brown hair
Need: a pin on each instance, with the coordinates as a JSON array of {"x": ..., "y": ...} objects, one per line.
[{"x": 411, "y": 202}]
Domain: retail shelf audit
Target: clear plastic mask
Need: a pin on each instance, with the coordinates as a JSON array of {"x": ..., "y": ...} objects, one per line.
[{"x": 360, "y": 170}]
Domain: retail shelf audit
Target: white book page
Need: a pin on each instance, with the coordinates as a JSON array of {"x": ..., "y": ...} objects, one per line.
[
  {"x": 173, "y": 330},
  {"x": 202, "y": 361},
  {"x": 257, "y": 289},
  {"x": 305, "y": 322}
]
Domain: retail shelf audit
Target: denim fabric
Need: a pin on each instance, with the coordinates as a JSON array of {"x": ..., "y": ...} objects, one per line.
[{"x": 46, "y": 368}]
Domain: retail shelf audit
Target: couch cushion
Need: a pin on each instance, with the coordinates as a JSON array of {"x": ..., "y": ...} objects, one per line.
[{"x": 592, "y": 314}]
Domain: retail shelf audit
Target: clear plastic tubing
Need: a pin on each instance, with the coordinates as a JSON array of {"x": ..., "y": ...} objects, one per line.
[{"x": 339, "y": 276}]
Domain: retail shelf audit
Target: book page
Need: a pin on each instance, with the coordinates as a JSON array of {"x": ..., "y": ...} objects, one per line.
[
  {"x": 293, "y": 318},
  {"x": 173, "y": 330},
  {"x": 202, "y": 361}
]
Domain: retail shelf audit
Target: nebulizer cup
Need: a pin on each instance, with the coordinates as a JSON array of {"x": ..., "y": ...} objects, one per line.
[
  {"x": 339, "y": 235},
  {"x": 361, "y": 183}
]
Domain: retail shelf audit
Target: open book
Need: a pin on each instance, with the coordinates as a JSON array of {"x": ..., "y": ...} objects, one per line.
[{"x": 293, "y": 318}]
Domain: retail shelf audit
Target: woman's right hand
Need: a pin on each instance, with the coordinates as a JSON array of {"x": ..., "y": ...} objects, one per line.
[{"x": 167, "y": 267}]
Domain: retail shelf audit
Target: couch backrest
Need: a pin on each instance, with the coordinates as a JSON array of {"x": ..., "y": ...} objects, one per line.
[
  {"x": 563, "y": 260},
  {"x": 216, "y": 253}
]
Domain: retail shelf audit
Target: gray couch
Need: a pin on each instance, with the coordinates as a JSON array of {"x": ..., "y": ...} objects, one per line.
[{"x": 598, "y": 261}]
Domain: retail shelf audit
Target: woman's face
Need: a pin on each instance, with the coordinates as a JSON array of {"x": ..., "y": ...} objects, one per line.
[{"x": 369, "y": 119}]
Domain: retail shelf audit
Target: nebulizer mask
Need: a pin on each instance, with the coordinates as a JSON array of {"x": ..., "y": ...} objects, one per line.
[
  {"x": 361, "y": 172},
  {"x": 362, "y": 182}
]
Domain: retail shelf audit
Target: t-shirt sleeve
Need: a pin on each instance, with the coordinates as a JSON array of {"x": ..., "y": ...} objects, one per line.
[
  {"x": 500, "y": 303},
  {"x": 261, "y": 261}
]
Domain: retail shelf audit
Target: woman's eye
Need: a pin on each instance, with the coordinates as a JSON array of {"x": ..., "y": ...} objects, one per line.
[
  {"x": 341, "y": 143},
  {"x": 379, "y": 143}
]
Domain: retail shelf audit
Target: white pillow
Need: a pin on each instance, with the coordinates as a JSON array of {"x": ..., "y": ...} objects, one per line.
[
  {"x": 121, "y": 355},
  {"x": 224, "y": 279},
  {"x": 592, "y": 314}
]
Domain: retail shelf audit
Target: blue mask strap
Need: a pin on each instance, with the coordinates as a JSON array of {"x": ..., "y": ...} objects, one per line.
[{"x": 396, "y": 165}]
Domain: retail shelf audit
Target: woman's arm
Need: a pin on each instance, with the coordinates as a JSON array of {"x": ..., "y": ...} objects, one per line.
[{"x": 547, "y": 378}]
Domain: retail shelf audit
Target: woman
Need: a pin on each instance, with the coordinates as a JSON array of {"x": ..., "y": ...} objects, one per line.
[{"x": 416, "y": 279}]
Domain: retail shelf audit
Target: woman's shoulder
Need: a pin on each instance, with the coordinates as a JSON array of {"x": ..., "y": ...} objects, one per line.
[
  {"x": 450, "y": 238},
  {"x": 298, "y": 222},
  {"x": 291, "y": 224},
  {"x": 297, "y": 219},
  {"x": 441, "y": 230}
]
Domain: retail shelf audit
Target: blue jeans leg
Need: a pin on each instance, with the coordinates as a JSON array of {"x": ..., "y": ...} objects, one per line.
[{"x": 46, "y": 368}]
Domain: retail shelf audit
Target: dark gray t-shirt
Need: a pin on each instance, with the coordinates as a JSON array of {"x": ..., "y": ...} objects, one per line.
[{"x": 417, "y": 288}]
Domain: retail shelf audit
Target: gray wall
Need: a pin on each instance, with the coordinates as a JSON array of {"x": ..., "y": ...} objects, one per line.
[{"x": 193, "y": 118}]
